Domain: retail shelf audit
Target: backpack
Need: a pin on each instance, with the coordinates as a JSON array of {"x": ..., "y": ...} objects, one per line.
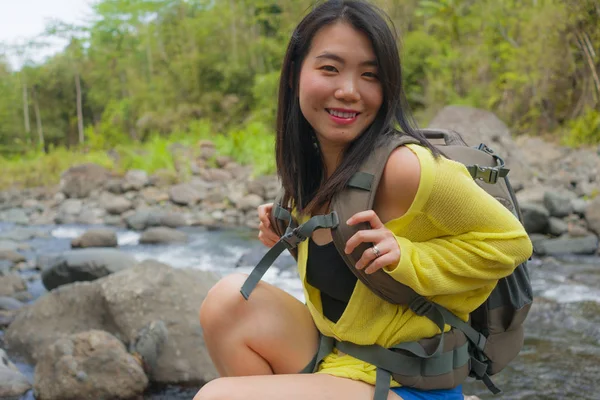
[{"x": 484, "y": 345}]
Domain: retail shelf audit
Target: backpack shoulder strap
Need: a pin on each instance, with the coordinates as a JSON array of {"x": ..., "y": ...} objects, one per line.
[{"x": 359, "y": 195}]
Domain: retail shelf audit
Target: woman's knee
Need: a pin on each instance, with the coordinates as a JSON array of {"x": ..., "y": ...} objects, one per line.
[
  {"x": 214, "y": 390},
  {"x": 222, "y": 300}
]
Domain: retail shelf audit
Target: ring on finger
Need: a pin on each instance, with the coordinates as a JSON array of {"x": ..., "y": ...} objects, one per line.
[{"x": 376, "y": 251}]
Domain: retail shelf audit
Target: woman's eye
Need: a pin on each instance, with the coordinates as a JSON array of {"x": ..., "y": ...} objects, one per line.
[
  {"x": 371, "y": 75},
  {"x": 329, "y": 68}
]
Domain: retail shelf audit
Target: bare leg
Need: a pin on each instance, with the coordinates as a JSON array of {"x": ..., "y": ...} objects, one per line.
[
  {"x": 271, "y": 333},
  {"x": 289, "y": 387}
]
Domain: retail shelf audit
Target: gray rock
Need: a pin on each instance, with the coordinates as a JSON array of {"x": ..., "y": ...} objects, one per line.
[
  {"x": 567, "y": 245},
  {"x": 592, "y": 215},
  {"x": 558, "y": 204},
  {"x": 9, "y": 304},
  {"x": 88, "y": 365},
  {"x": 139, "y": 220},
  {"x": 84, "y": 265},
  {"x": 535, "y": 218},
  {"x": 185, "y": 195},
  {"x": 22, "y": 234},
  {"x": 160, "y": 235},
  {"x": 11, "y": 284},
  {"x": 79, "y": 181},
  {"x": 97, "y": 237},
  {"x": 557, "y": 226},
  {"x": 153, "y": 195},
  {"x": 12, "y": 256},
  {"x": 91, "y": 216},
  {"x": 135, "y": 179},
  {"x": 15, "y": 215},
  {"x": 250, "y": 202},
  {"x": 116, "y": 205},
  {"x": 122, "y": 304},
  {"x": 13, "y": 384}
]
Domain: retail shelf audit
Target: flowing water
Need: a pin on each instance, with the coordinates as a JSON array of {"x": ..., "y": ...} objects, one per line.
[{"x": 560, "y": 359}]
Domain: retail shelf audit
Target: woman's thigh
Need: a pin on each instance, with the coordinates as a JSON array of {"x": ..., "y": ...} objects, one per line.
[
  {"x": 271, "y": 323},
  {"x": 289, "y": 387}
]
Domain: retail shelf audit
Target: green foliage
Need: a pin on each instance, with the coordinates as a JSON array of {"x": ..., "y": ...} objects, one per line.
[
  {"x": 253, "y": 144},
  {"x": 155, "y": 73},
  {"x": 584, "y": 130}
]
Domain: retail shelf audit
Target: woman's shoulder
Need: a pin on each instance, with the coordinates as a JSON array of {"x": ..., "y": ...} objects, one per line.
[{"x": 400, "y": 182}]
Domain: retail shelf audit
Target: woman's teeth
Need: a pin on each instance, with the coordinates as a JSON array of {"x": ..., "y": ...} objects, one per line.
[{"x": 342, "y": 114}]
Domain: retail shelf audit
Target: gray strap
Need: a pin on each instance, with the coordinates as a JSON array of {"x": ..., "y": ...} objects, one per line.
[
  {"x": 382, "y": 384},
  {"x": 361, "y": 180},
  {"x": 281, "y": 213},
  {"x": 405, "y": 364},
  {"x": 288, "y": 241},
  {"x": 440, "y": 316}
]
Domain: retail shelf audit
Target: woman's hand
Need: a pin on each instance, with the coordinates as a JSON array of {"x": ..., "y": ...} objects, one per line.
[
  {"x": 385, "y": 250},
  {"x": 266, "y": 234}
]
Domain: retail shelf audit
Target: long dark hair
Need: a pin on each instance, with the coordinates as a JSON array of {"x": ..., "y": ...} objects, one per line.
[{"x": 299, "y": 164}]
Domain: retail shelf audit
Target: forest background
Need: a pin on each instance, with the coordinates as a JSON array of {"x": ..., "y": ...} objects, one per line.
[{"x": 142, "y": 75}]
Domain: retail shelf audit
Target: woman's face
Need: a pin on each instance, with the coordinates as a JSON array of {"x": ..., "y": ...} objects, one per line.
[{"x": 339, "y": 90}]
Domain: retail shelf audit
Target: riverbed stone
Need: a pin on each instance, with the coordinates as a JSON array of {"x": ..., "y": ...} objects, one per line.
[
  {"x": 163, "y": 235},
  {"x": 96, "y": 237},
  {"x": 592, "y": 215},
  {"x": 557, "y": 226},
  {"x": 80, "y": 180},
  {"x": 568, "y": 245},
  {"x": 116, "y": 205},
  {"x": 9, "y": 304},
  {"x": 88, "y": 365},
  {"x": 13, "y": 384},
  {"x": 185, "y": 195},
  {"x": 558, "y": 204},
  {"x": 84, "y": 265},
  {"x": 11, "y": 284},
  {"x": 122, "y": 304},
  {"x": 15, "y": 215},
  {"x": 535, "y": 217},
  {"x": 12, "y": 256},
  {"x": 135, "y": 179}
]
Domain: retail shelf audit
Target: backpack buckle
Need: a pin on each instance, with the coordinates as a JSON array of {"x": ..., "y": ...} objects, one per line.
[
  {"x": 487, "y": 174},
  {"x": 421, "y": 306},
  {"x": 293, "y": 238}
]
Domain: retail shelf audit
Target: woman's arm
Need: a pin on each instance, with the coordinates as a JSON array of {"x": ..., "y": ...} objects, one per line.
[{"x": 475, "y": 239}]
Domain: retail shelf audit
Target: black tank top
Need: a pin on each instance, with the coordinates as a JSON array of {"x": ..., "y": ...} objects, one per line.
[{"x": 327, "y": 271}]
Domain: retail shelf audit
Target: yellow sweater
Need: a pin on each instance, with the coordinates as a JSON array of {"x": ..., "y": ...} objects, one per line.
[{"x": 456, "y": 241}]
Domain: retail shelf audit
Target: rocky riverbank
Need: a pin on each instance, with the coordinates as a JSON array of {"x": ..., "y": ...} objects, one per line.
[{"x": 102, "y": 301}]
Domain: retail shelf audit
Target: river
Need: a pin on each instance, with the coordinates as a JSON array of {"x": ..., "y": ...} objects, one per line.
[{"x": 560, "y": 359}]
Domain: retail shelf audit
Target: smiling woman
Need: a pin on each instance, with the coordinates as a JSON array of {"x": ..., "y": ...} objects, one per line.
[{"x": 341, "y": 104}]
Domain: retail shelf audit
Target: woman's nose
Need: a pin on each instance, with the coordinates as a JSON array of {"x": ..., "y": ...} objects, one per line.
[{"x": 347, "y": 91}]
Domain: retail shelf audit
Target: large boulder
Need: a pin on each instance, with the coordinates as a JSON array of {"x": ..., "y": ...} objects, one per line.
[
  {"x": 480, "y": 126},
  {"x": 84, "y": 265},
  {"x": 122, "y": 304},
  {"x": 88, "y": 365},
  {"x": 79, "y": 180}
]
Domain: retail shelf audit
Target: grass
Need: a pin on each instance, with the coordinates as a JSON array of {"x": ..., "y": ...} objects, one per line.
[{"x": 252, "y": 144}]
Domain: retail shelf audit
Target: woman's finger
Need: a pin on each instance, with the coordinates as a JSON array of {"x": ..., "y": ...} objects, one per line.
[
  {"x": 366, "y": 216},
  {"x": 380, "y": 262},
  {"x": 264, "y": 211},
  {"x": 365, "y": 235},
  {"x": 267, "y": 232},
  {"x": 370, "y": 254}
]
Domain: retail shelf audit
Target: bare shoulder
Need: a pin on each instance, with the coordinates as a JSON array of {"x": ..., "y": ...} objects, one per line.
[{"x": 399, "y": 184}]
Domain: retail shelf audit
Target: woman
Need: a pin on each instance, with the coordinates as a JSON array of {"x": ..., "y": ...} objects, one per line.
[{"x": 340, "y": 95}]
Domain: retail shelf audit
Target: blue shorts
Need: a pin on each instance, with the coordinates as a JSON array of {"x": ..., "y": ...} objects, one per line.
[{"x": 441, "y": 394}]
